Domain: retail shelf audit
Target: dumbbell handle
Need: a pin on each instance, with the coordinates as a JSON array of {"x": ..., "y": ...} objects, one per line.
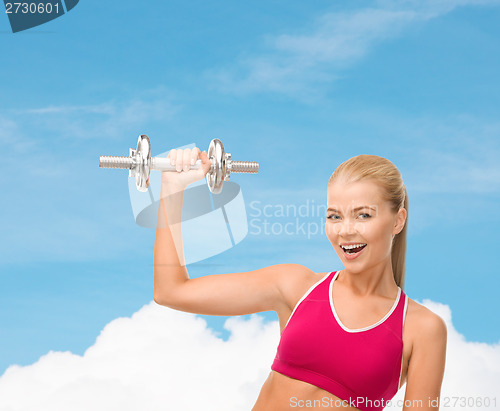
[
  {"x": 157, "y": 163},
  {"x": 163, "y": 164}
]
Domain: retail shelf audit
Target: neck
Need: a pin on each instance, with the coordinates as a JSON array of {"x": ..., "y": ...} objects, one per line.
[{"x": 375, "y": 280}]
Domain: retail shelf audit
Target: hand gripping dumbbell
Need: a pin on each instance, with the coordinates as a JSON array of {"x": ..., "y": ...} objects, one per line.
[{"x": 139, "y": 163}]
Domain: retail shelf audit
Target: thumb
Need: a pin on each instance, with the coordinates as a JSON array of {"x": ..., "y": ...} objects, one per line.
[{"x": 205, "y": 162}]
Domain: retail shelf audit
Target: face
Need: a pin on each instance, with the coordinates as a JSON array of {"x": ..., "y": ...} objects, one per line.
[{"x": 361, "y": 225}]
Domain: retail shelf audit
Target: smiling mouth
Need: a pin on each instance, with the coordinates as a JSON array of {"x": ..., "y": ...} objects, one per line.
[{"x": 349, "y": 249}]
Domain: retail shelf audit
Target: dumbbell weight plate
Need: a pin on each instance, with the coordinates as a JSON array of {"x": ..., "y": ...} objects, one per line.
[
  {"x": 216, "y": 154},
  {"x": 142, "y": 158}
]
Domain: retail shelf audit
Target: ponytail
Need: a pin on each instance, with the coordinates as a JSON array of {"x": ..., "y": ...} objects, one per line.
[{"x": 398, "y": 254}]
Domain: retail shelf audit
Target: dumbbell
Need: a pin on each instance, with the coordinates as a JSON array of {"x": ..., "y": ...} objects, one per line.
[{"x": 139, "y": 163}]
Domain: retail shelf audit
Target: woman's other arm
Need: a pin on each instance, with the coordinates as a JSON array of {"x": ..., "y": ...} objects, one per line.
[{"x": 427, "y": 364}]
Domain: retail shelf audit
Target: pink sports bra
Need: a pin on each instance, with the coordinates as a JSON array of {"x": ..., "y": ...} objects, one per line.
[{"x": 361, "y": 366}]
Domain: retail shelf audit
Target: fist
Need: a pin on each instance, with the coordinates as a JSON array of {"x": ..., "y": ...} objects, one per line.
[{"x": 183, "y": 160}]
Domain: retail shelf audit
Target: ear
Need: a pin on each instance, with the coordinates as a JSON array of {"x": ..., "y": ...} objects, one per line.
[{"x": 399, "y": 221}]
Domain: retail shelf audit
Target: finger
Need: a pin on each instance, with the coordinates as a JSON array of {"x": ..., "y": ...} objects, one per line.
[
  {"x": 194, "y": 155},
  {"x": 186, "y": 159},
  {"x": 206, "y": 163},
  {"x": 171, "y": 156},
  {"x": 178, "y": 160}
]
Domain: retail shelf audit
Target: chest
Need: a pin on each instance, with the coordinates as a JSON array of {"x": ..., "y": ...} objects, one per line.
[
  {"x": 313, "y": 339},
  {"x": 352, "y": 344}
]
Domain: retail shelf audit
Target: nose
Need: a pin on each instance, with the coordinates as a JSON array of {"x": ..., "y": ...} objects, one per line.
[{"x": 346, "y": 228}]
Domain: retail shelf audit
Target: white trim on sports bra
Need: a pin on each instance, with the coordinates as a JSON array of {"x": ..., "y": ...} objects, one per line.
[
  {"x": 306, "y": 294},
  {"x": 402, "y": 354},
  {"x": 356, "y": 330}
]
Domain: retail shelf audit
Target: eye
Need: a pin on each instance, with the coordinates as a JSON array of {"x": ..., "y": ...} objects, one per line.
[
  {"x": 333, "y": 217},
  {"x": 365, "y": 216}
]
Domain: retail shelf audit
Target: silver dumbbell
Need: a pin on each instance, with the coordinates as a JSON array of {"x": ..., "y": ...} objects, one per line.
[{"x": 139, "y": 163}]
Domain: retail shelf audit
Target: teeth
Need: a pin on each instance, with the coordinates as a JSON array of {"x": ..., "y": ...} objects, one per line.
[{"x": 350, "y": 247}]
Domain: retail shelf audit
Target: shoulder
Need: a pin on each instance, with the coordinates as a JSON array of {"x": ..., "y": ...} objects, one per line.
[
  {"x": 294, "y": 280},
  {"x": 428, "y": 353},
  {"x": 296, "y": 274},
  {"x": 426, "y": 327}
]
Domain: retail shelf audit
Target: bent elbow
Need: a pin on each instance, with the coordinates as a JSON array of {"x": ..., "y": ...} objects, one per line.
[
  {"x": 164, "y": 299},
  {"x": 160, "y": 299}
]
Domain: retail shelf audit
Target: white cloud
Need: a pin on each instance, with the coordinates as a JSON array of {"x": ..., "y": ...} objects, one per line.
[
  {"x": 453, "y": 154},
  {"x": 432, "y": 8},
  {"x": 161, "y": 359},
  {"x": 51, "y": 159},
  {"x": 154, "y": 360},
  {"x": 110, "y": 119},
  {"x": 443, "y": 172},
  {"x": 12, "y": 139},
  {"x": 472, "y": 369},
  {"x": 294, "y": 63}
]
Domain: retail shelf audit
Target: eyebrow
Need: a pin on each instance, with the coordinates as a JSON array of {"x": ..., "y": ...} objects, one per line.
[{"x": 356, "y": 209}]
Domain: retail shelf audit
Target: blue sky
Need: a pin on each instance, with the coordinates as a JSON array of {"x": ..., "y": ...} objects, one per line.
[{"x": 298, "y": 87}]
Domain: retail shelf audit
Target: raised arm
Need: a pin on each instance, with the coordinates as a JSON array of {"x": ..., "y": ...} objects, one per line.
[
  {"x": 427, "y": 364},
  {"x": 265, "y": 289}
]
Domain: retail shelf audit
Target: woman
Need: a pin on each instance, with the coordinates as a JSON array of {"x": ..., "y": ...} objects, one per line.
[{"x": 349, "y": 339}]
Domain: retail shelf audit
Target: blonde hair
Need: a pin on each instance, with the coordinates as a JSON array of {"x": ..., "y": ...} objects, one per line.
[{"x": 388, "y": 177}]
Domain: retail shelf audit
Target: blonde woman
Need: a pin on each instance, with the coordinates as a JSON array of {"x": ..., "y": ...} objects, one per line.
[{"x": 350, "y": 338}]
